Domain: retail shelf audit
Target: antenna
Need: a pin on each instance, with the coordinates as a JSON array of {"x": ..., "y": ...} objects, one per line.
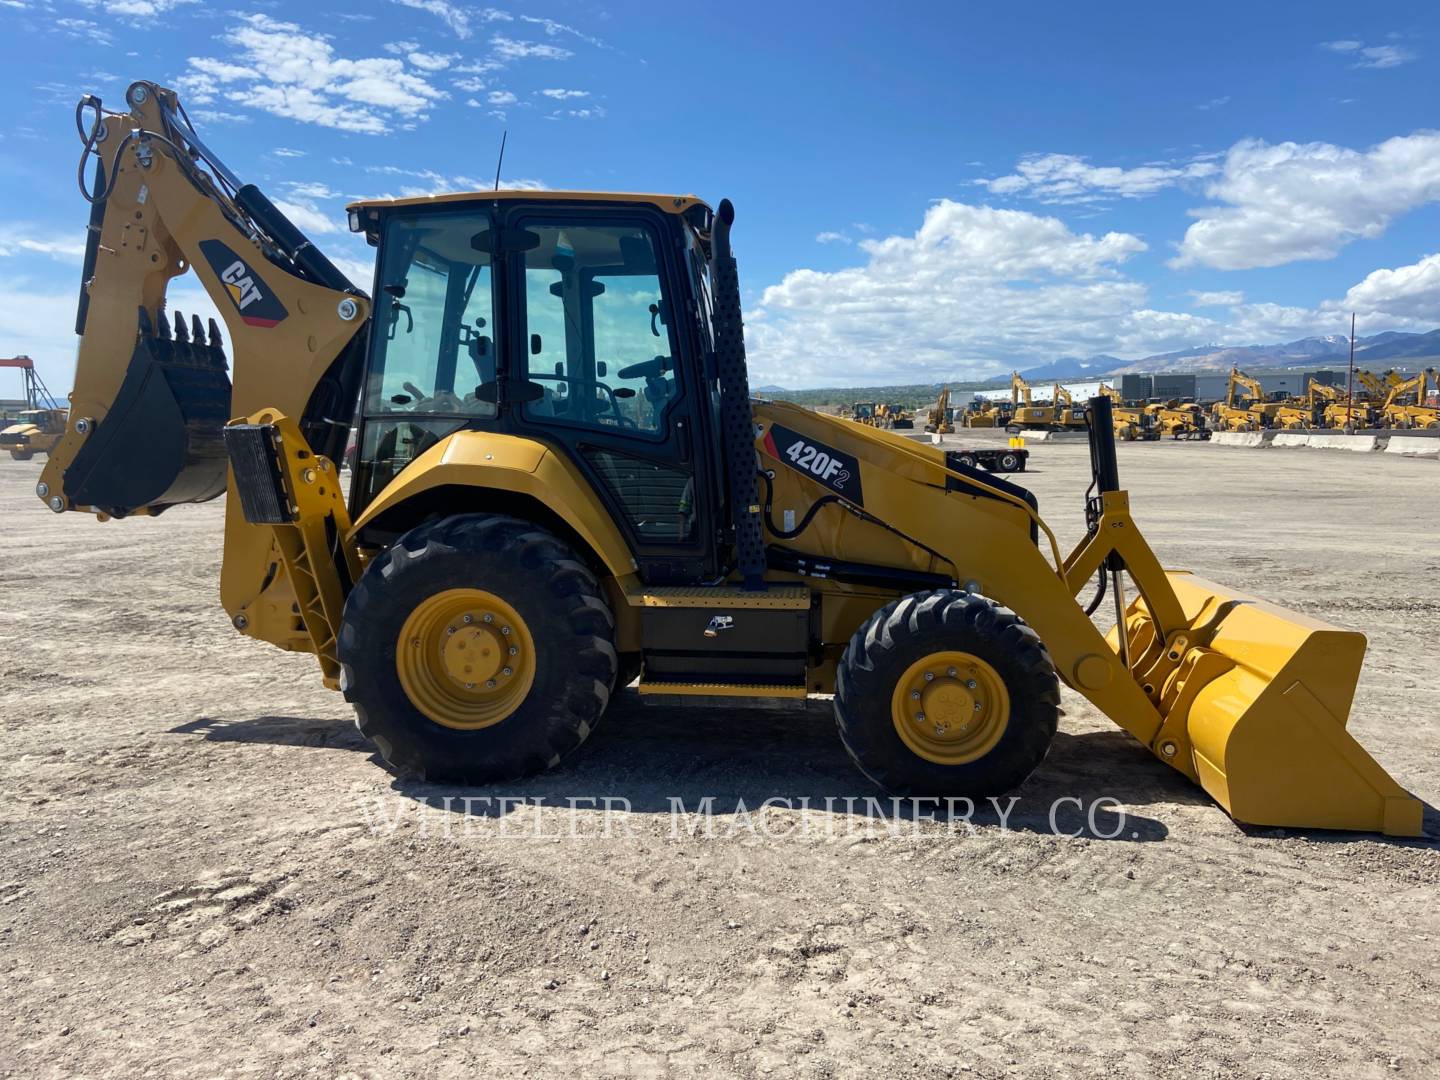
[{"x": 503, "y": 136}]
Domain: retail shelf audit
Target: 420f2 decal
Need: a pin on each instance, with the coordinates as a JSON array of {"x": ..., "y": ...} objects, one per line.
[{"x": 837, "y": 470}]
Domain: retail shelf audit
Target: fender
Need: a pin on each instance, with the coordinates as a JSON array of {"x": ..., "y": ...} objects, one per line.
[{"x": 482, "y": 459}]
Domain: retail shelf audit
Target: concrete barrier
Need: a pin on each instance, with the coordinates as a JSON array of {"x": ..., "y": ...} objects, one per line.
[
  {"x": 1055, "y": 436},
  {"x": 1290, "y": 438},
  {"x": 1411, "y": 446},
  {"x": 1241, "y": 438},
  {"x": 1341, "y": 441}
]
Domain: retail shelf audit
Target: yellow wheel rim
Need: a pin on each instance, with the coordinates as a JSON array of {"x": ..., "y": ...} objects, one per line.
[
  {"x": 950, "y": 708},
  {"x": 465, "y": 658}
]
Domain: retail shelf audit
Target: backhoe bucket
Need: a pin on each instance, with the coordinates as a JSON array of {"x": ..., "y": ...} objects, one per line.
[
  {"x": 1261, "y": 695},
  {"x": 160, "y": 442}
]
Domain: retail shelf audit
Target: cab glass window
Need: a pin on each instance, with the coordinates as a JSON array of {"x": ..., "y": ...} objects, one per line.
[
  {"x": 434, "y": 320},
  {"x": 599, "y": 325}
]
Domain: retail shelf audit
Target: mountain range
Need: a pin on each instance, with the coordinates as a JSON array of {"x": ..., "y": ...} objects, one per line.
[{"x": 1386, "y": 350}]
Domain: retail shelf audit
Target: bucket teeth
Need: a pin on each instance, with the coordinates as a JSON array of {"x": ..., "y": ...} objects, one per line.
[
  {"x": 215, "y": 342},
  {"x": 197, "y": 332},
  {"x": 162, "y": 327},
  {"x": 182, "y": 332},
  {"x": 146, "y": 328}
]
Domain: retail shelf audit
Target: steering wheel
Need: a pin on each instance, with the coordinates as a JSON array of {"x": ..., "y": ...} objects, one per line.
[
  {"x": 621, "y": 420},
  {"x": 646, "y": 369},
  {"x": 440, "y": 401}
]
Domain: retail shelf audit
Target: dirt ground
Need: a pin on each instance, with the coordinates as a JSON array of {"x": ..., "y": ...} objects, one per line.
[{"x": 205, "y": 872}]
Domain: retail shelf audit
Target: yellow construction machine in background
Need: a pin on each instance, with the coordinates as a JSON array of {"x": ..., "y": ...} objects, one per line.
[
  {"x": 937, "y": 420},
  {"x": 1058, "y": 414},
  {"x": 536, "y": 516},
  {"x": 1178, "y": 420},
  {"x": 1230, "y": 416},
  {"x": 1408, "y": 402},
  {"x": 37, "y": 428}
]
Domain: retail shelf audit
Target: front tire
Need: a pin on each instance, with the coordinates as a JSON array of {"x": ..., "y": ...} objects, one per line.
[
  {"x": 946, "y": 693},
  {"x": 477, "y": 648}
]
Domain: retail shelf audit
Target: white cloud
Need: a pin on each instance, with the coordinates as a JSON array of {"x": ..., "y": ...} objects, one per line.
[
  {"x": 307, "y": 217},
  {"x": 1399, "y": 298},
  {"x": 555, "y": 29},
  {"x": 565, "y": 95},
  {"x": 1068, "y": 178},
  {"x": 833, "y": 238},
  {"x": 1292, "y": 201},
  {"x": 1223, "y": 298},
  {"x": 470, "y": 84},
  {"x": 973, "y": 290},
  {"x": 136, "y": 9},
  {"x": 1214, "y": 103},
  {"x": 15, "y": 241},
  {"x": 1371, "y": 56},
  {"x": 284, "y": 71},
  {"x": 286, "y": 152},
  {"x": 84, "y": 28},
  {"x": 431, "y": 61},
  {"x": 510, "y": 49},
  {"x": 459, "y": 17},
  {"x": 500, "y": 98}
]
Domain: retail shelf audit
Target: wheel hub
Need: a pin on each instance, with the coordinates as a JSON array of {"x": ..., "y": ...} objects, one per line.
[
  {"x": 950, "y": 708},
  {"x": 465, "y": 658}
]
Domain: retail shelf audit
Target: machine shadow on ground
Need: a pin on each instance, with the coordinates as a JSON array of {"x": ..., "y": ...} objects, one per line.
[{"x": 651, "y": 756}]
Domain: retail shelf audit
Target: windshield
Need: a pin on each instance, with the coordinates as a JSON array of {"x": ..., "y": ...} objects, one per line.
[{"x": 434, "y": 319}]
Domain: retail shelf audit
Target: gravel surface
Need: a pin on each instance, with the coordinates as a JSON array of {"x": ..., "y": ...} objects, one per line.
[{"x": 204, "y": 871}]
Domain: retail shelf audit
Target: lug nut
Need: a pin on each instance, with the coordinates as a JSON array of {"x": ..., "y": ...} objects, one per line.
[
  {"x": 970, "y": 684},
  {"x": 950, "y": 672},
  {"x": 450, "y": 629},
  {"x": 489, "y": 617},
  {"x": 469, "y": 686},
  {"x": 490, "y": 684},
  {"x": 504, "y": 629},
  {"x": 514, "y": 651},
  {"x": 920, "y": 718},
  {"x": 468, "y": 619},
  {"x": 977, "y": 706},
  {"x": 506, "y": 671},
  {"x": 914, "y": 695},
  {"x": 929, "y": 676}
]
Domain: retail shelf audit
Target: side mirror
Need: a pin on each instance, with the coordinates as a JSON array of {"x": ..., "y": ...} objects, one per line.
[
  {"x": 535, "y": 345},
  {"x": 600, "y": 369}
]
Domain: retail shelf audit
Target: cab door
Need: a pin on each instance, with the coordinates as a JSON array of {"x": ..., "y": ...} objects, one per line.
[{"x": 608, "y": 375}]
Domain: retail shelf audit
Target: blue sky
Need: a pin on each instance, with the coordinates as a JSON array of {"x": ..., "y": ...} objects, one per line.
[{"x": 923, "y": 190}]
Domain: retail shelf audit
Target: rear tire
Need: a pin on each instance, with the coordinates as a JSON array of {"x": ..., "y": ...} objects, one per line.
[
  {"x": 985, "y": 659},
  {"x": 1009, "y": 462},
  {"x": 565, "y": 633},
  {"x": 21, "y": 455}
]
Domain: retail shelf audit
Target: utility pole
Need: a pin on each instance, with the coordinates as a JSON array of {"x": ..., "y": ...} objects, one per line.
[{"x": 1350, "y": 383}]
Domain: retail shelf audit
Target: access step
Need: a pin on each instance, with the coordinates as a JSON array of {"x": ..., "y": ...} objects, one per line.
[
  {"x": 719, "y": 689},
  {"x": 776, "y": 598}
]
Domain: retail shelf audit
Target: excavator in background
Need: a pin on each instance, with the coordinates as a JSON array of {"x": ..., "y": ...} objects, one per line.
[
  {"x": 1230, "y": 416},
  {"x": 937, "y": 420},
  {"x": 38, "y": 427},
  {"x": 863, "y": 412},
  {"x": 1416, "y": 412},
  {"x": 555, "y": 491},
  {"x": 1058, "y": 414}
]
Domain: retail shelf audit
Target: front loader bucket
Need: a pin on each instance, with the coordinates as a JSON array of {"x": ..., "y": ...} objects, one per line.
[
  {"x": 160, "y": 442},
  {"x": 1261, "y": 694}
]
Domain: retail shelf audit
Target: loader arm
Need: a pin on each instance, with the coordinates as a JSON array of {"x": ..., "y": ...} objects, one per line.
[{"x": 150, "y": 403}]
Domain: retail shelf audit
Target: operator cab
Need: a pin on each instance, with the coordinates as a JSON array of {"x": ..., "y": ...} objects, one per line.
[{"x": 582, "y": 321}]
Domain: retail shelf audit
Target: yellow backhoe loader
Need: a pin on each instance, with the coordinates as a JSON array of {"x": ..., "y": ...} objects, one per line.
[
  {"x": 561, "y": 481},
  {"x": 1417, "y": 412}
]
